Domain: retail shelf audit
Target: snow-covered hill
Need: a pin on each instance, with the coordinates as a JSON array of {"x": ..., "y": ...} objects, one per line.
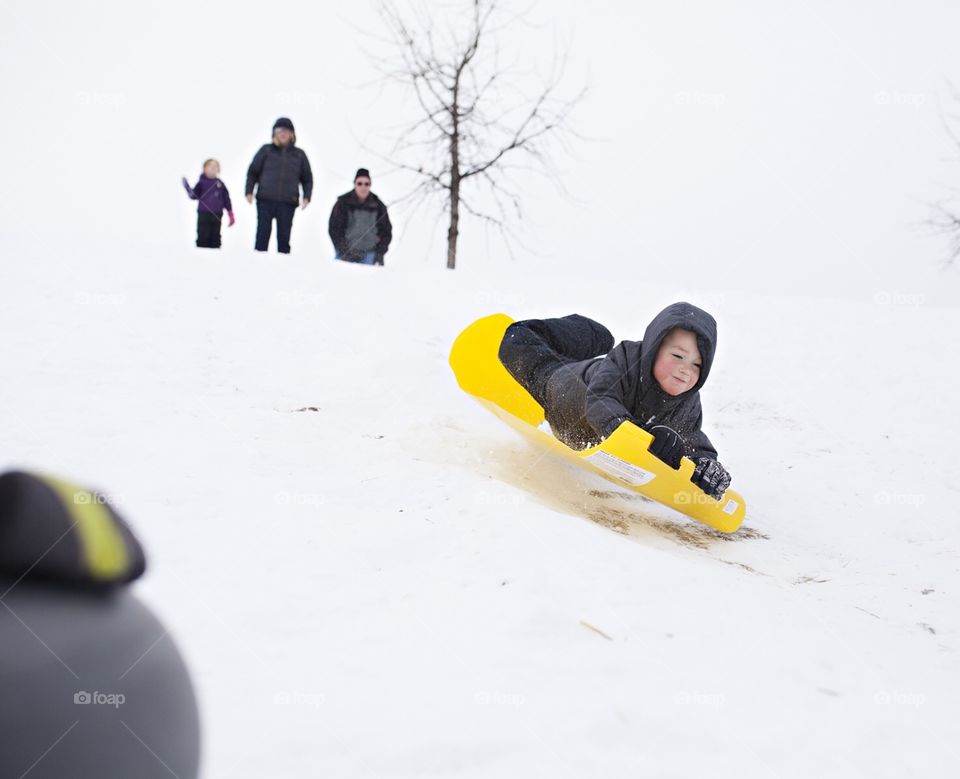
[{"x": 391, "y": 583}]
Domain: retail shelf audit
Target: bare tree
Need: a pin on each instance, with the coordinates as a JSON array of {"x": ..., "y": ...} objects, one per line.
[
  {"x": 946, "y": 212},
  {"x": 475, "y": 123},
  {"x": 946, "y": 220}
]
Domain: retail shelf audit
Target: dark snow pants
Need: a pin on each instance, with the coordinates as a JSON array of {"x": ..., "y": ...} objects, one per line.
[
  {"x": 208, "y": 230},
  {"x": 543, "y": 355},
  {"x": 267, "y": 211}
]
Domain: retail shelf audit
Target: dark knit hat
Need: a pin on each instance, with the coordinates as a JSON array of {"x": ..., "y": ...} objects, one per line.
[
  {"x": 362, "y": 172},
  {"x": 58, "y": 531},
  {"x": 284, "y": 123}
]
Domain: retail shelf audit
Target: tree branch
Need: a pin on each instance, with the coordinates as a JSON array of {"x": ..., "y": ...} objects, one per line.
[{"x": 463, "y": 135}]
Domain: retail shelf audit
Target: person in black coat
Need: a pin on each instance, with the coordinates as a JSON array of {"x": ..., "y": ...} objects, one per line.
[
  {"x": 279, "y": 169},
  {"x": 359, "y": 224},
  {"x": 588, "y": 387}
]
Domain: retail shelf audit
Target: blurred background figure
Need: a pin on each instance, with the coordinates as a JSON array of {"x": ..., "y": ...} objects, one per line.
[
  {"x": 278, "y": 171},
  {"x": 359, "y": 224},
  {"x": 213, "y": 199}
]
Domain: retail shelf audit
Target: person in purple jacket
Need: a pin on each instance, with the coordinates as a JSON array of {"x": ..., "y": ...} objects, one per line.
[{"x": 213, "y": 199}]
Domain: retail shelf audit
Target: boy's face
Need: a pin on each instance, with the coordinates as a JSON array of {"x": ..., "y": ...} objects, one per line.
[
  {"x": 211, "y": 169},
  {"x": 677, "y": 367}
]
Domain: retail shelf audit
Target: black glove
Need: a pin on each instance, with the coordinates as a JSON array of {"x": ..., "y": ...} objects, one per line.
[
  {"x": 711, "y": 477},
  {"x": 667, "y": 445}
]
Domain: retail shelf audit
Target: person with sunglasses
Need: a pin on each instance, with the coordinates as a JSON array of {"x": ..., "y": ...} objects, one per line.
[{"x": 359, "y": 224}]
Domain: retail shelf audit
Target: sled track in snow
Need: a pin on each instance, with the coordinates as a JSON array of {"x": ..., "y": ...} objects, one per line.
[{"x": 630, "y": 522}]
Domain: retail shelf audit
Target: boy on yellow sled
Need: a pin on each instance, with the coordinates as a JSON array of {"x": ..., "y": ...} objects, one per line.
[{"x": 588, "y": 387}]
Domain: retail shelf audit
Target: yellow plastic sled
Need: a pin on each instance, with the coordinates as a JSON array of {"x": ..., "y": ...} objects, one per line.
[{"x": 622, "y": 457}]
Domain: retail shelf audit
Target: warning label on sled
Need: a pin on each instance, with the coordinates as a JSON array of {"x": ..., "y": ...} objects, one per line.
[{"x": 627, "y": 472}]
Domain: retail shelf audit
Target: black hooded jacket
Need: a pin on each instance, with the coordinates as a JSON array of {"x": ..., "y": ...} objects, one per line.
[
  {"x": 280, "y": 171},
  {"x": 586, "y": 400}
]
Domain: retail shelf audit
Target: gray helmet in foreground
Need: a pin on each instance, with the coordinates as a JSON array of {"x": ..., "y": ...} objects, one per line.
[{"x": 92, "y": 683}]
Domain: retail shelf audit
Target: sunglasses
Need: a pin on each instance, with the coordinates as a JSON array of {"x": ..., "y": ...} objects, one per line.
[{"x": 363, "y": 183}]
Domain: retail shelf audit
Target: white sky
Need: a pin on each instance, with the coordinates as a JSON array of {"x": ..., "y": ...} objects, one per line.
[{"x": 729, "y": 143}]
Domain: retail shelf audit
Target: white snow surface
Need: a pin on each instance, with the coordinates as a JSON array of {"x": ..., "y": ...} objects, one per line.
[
  {"x": 392, "y": 583},
  {"x": 396, "y": 585}
]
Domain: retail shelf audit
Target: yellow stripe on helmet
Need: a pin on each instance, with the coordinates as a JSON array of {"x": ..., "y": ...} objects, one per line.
[{"x": 101, "y": 543}]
